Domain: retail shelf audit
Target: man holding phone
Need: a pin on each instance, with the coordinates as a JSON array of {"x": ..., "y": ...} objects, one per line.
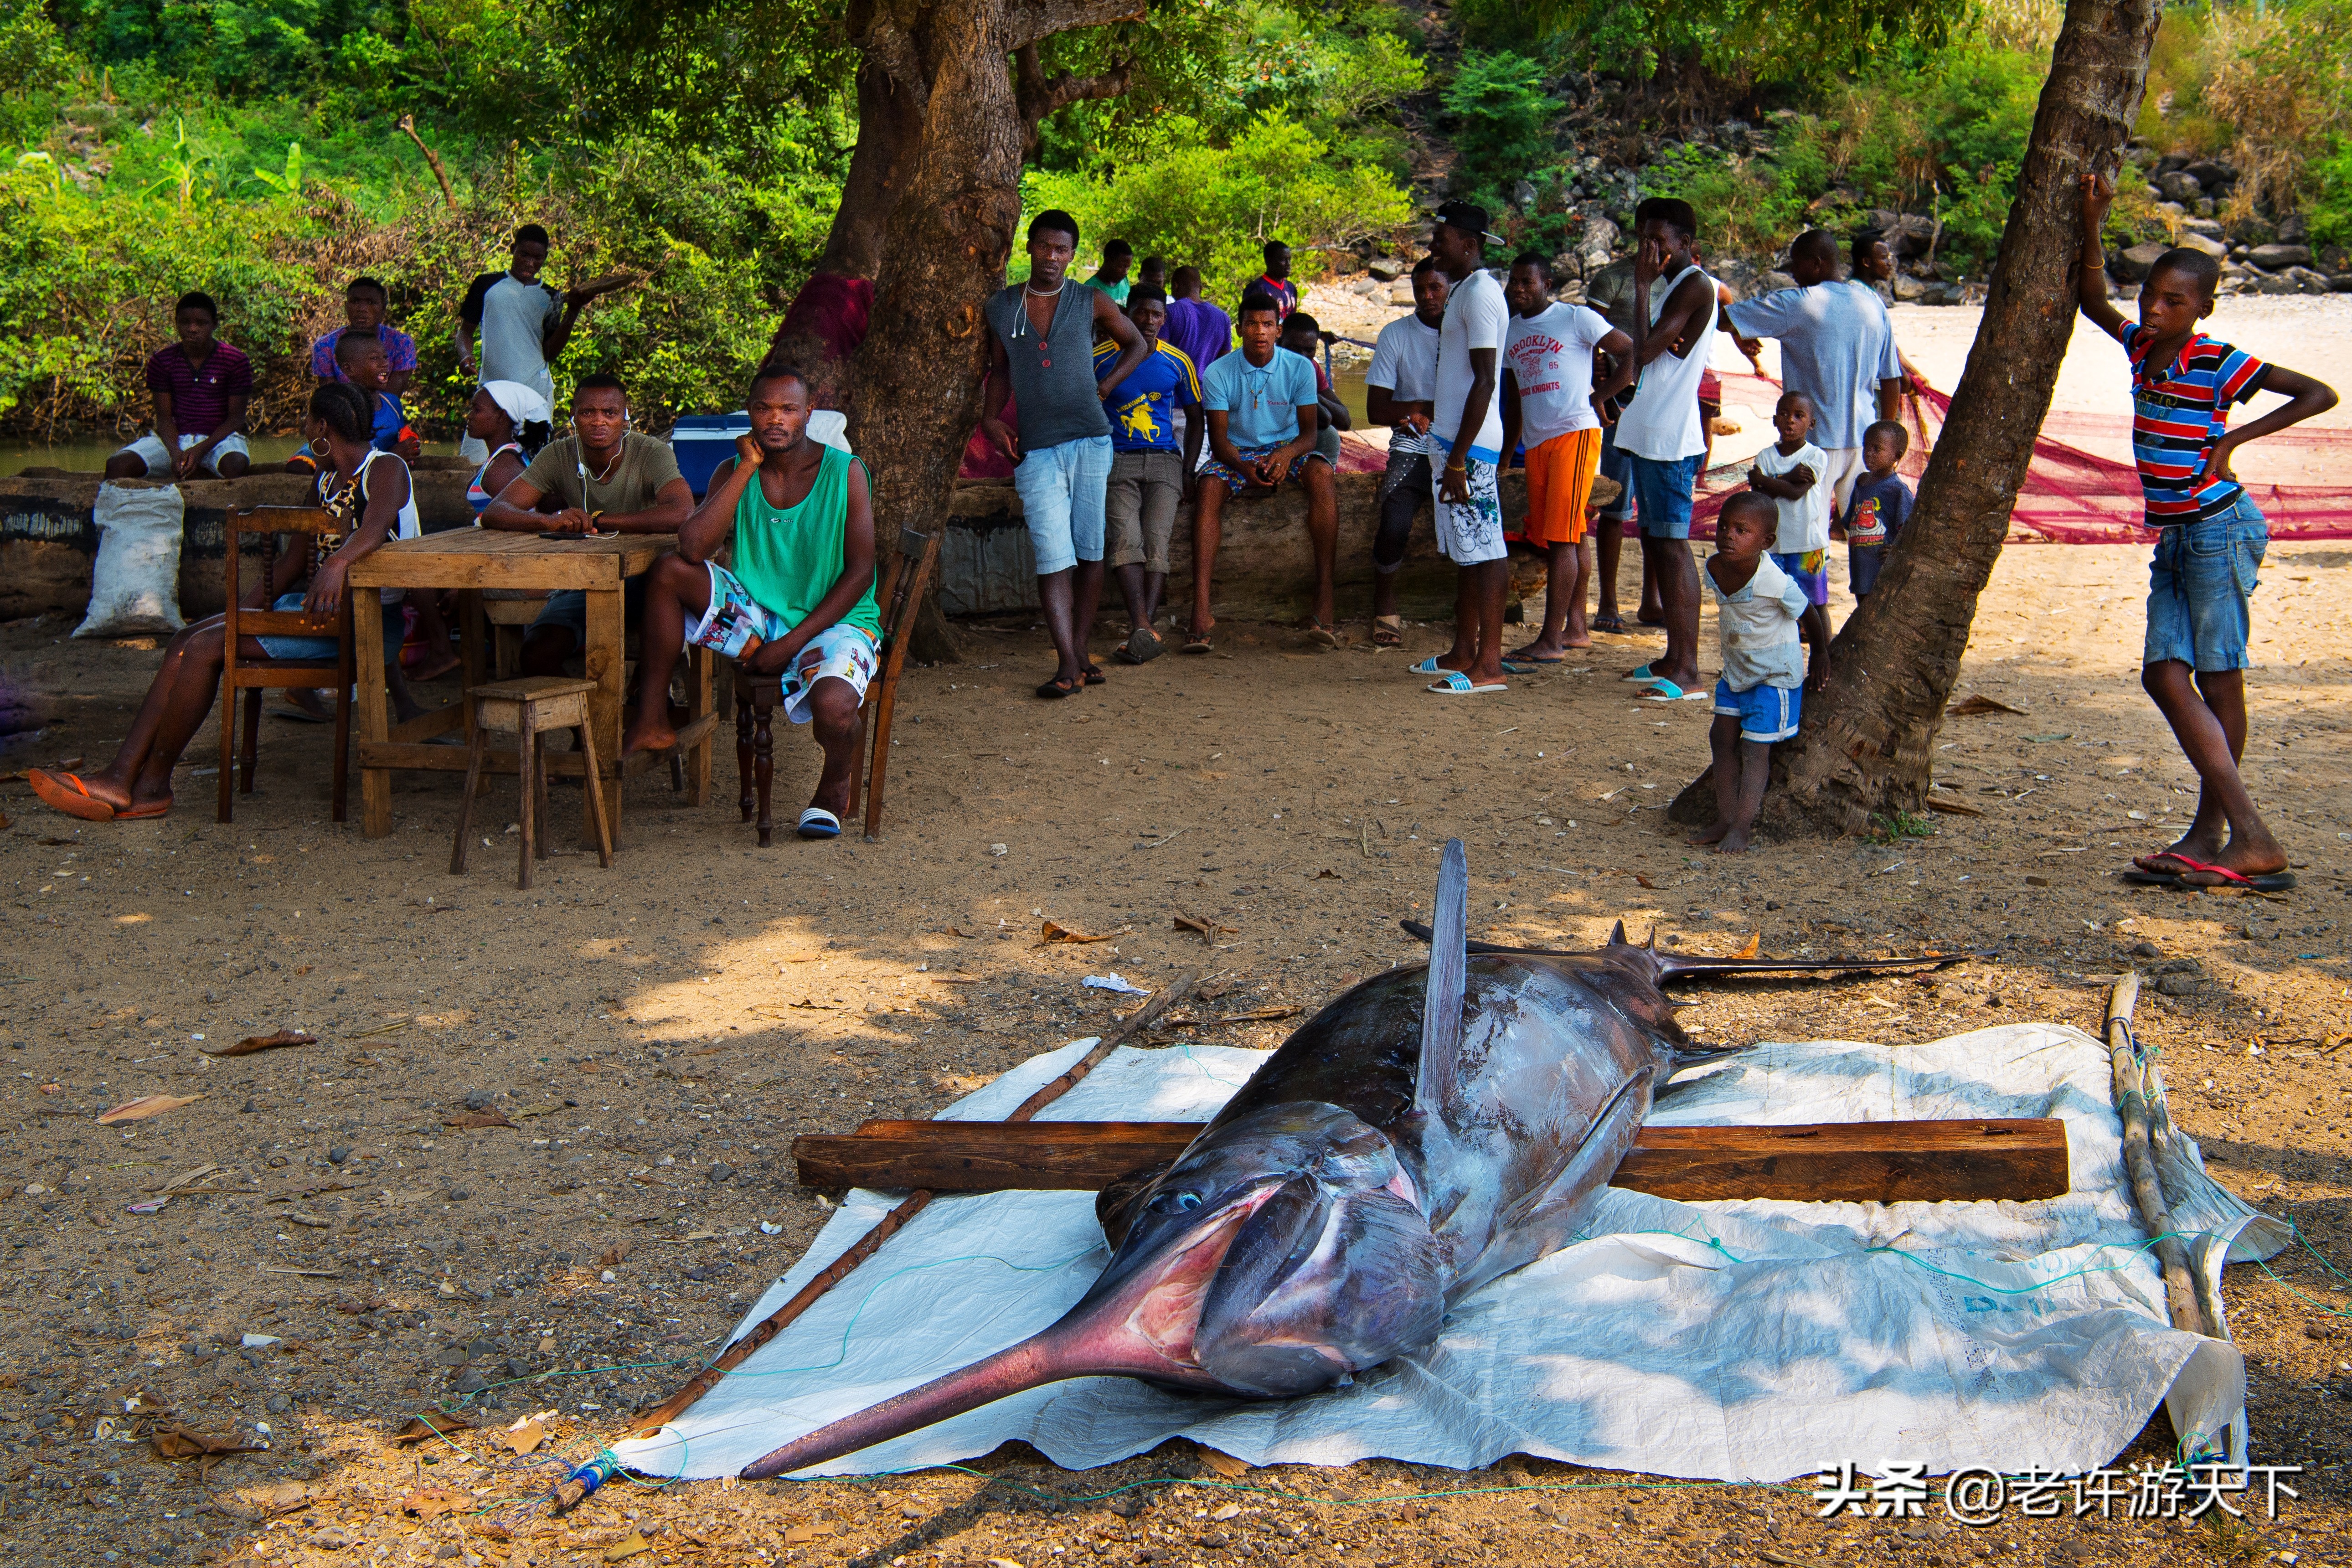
[{"x": 602, "y": 479}]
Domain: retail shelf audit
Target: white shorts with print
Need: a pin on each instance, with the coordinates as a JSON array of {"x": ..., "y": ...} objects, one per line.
[
  {"x": 149, "y": 449},
  {"x": 1470, "y": 533},
  {"x": 840, "y": 652}
]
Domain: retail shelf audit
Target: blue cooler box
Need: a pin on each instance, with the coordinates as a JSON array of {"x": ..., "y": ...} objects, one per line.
[{"x": 703, "y": 441}]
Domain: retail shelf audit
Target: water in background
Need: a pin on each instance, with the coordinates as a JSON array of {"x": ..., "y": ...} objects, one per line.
[{"x": 90, "y": 457}]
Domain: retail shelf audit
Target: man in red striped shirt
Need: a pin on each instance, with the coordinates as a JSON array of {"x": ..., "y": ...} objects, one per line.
[{"x": 2210, "y": 542}]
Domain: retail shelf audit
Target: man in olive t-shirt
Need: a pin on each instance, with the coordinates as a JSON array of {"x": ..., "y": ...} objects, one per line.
[{"x": 602, "y": 479}]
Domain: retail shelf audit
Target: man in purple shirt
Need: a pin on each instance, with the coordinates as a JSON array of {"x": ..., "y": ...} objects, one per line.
[
  {"x": 1204, "y": 332},
  {"x": 366, "y": 304},
  {"x": 200, "y": 386}
]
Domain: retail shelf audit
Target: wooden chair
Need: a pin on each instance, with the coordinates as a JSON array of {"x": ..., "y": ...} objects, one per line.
[
  {"x": 253, "y": 677},
  {"x": 526, "y": 710},
  {"x": 758, "y": 696}
]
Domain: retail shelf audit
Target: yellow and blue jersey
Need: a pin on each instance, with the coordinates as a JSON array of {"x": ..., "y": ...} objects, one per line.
[{"x": 1143, "y": 409}]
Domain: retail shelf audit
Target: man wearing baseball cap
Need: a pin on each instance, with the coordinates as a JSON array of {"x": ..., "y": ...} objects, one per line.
[{"x": 1466, "y": 420}]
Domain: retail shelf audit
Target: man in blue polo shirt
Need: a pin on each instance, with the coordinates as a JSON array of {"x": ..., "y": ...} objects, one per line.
[
  {"x": 1263, "y": 416},
  {"x": 1149, "y": 473}
]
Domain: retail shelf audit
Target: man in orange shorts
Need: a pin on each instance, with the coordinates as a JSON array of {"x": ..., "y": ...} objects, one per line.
[{"x": 1547, "y": 406}]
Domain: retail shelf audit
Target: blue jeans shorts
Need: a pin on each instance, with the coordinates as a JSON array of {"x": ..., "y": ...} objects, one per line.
[
  {"x": 1062, "y": 497},
  {"x": 567, "y": 610},
  {"x": 296, "y": 648},
  {"x": 1765, "y": 712},
  {"x": 2198, "y": 587},
  {"x": 1619, "y": 466},
  {"x": 1662, "y": 494}
]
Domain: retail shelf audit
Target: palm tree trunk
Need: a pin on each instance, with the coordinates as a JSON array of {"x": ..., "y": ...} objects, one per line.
[{"x": 1866, "y": 741}]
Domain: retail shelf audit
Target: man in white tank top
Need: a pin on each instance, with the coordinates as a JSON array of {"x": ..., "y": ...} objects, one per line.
[{"x": 1660, "y": 433}]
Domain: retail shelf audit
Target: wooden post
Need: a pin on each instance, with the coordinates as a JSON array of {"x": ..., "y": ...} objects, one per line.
[
  {"x": 2139, "y": 1160},
  {"x": 841, "y": 1268}
]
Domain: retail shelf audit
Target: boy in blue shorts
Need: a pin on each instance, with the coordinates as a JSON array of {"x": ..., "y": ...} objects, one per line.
[
  {"x": 1151, "y": 469},
  {"x": 1762, "y": 693},
  {"x": 1880, "y": 507},
  {"x": 2211, "y": 541}
]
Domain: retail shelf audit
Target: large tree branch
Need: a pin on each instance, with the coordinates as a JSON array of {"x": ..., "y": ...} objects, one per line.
[
  {"x": 1039, "y": 96},
  {"x": 1028, "y": 21}
]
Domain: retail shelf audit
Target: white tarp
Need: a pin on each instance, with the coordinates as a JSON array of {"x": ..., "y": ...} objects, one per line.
[{"x": 1750, "y": 1340}]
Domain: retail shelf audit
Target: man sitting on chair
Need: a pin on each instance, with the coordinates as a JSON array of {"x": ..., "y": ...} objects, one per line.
[{"x": 800, "y": 602}]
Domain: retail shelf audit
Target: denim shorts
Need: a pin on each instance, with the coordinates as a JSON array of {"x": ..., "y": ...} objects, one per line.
[
  {"x": 1765, "y": 712},
  {"x": 395, "y": 631},
  {"x": 2198, "y": 587},
  {"x": 1662, "y": 494},
  {"x": 566, "y": 610},
  {"x": 1619, "y": 466},
  {"x": 1061, "y": 490}
]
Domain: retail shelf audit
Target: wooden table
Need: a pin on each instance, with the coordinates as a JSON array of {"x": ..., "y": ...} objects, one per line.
[{"x": 472, "y": 560}]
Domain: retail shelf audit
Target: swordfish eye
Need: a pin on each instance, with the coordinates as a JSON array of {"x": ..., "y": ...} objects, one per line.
[{"x": 1183, "y": 1201}]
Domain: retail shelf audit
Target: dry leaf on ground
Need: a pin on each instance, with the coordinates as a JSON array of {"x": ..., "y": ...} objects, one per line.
[
  {"x": 1207, "y": 928},
  {"x": 1224, "y": 1464},
  {"x": 433, "y": 1502},
  {"x": 177, "y": 1441},
  {"x": 1054, "y": 930},
  {"x": 470, "y": 1119},
  {"x": 525, "y": 1435},
  {"x": 252, "y": 1043},
  {"x": 1755, "y": 945},
  {"x": 1977, "y": 702},
  {"x": 432, "y": 1424},
  {"x": 802, "y": 1534},
  {"x": 145, "y": 1106},
  {"x": 628, "y": 1546}
]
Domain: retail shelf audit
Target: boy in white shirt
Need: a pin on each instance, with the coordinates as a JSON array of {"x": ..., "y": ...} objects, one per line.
[
  {"x": 1547, "y": 406},
  {"x": 1760, "y": 696},
  {"x": 1792, "y": 472}
]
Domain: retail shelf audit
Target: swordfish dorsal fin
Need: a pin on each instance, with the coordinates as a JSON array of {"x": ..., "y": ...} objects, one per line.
[{"x": 1449, "y": 963}]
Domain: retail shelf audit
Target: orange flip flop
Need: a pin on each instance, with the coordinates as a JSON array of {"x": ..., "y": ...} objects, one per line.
[
  {"x": 144, "y": 809},
  {"x": 68, "y": 793}
]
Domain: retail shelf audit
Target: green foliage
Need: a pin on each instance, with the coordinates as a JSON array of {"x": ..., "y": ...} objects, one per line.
[
  {"x": 1172, "y": 191},
  {"x": 1501, "y": 117},
  {"x": 1745, "y": 41}
]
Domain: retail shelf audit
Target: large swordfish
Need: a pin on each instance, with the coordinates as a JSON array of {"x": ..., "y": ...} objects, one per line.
[{"x": 1436, "y": 1126}]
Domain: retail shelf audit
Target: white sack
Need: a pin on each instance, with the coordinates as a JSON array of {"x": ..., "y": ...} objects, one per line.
[{"x": 135, "y": 586}]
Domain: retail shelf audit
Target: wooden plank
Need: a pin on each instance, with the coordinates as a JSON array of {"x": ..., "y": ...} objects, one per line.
[
  {"x": 367, "y": 661},
  {"x": 604, "y": 663},
  {"x": 1861, "y": 1162},
  {"x": 537, "y": 574},
  {"x": 422, "y": 757}
]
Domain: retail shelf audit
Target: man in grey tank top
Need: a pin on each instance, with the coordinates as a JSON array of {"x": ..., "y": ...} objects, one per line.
[{"x": 1042, "y": 354}]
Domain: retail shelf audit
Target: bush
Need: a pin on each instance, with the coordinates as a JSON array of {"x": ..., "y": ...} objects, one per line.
[
  {"x": 1176, "y": 193},
  {"x": 1501, "y": 117}
]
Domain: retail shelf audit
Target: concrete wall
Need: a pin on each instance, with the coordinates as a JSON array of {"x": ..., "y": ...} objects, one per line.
[
  {"x": 1266, "y": 569},
  {"x": 49, "y": 542}
]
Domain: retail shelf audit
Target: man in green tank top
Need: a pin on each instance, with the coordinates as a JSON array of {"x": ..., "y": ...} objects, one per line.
[{"x": 800, "y": 599}]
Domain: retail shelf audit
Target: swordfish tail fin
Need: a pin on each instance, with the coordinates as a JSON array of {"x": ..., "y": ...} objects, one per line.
[
  {"x": 1449, "y": 978},
  {"x": 1677, "y": 966}
]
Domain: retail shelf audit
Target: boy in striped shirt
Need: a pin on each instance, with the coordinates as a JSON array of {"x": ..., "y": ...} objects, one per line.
[{"x": 2210, "y": 542}]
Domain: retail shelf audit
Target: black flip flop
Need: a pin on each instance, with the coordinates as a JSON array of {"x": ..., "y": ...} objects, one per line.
[
  {"x": 1095, "y": 676},
  {"x": 1614, "y": 624},
  {"x": 1056, "y": 689}
]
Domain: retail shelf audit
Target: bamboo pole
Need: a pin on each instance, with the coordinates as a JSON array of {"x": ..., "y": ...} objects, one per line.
[
  {"x": 2139, "y": 1160},
  {"x": 867, "y": 1246}
]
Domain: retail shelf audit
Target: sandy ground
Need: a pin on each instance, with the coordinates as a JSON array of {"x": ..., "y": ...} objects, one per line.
[{"x": 658, "y": 1032}]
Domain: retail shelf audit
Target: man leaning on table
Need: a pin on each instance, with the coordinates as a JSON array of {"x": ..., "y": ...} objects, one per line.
[{"x": 603, "y": 479}]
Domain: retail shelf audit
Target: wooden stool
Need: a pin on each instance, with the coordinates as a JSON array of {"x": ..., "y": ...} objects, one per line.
[{"x": 527, "y": 709}]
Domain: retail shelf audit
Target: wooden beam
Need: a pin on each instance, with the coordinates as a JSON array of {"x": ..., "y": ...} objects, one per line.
[{"x": 1880, "y": 1162}]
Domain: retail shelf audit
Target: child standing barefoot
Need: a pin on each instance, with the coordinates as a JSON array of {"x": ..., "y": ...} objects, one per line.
[
  {"x": 1760, "y": 695},
  {"x": 2210, "y": 541}
]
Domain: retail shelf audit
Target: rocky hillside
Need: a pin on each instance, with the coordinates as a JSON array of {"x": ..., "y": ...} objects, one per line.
[{"x": 2259, "y": 253}]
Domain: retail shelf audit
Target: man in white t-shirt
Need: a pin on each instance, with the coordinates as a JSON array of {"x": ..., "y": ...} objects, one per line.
[
  {"x": 1660, "y": 432},
  {"x": 1548, "y": 409},
  {"x": 1467, "y": 423},
  {"x": 1401, "y": 391},
  {"x": 1837, "y": 347}
]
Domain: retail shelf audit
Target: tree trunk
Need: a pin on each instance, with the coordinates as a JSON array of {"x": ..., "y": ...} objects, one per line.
[
  {"x": 1866, "y": 741},
  {"x": 916, "y": 380}
]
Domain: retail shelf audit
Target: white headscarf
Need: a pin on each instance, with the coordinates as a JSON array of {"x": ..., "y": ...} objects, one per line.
[{"x": 521, "y": 404}]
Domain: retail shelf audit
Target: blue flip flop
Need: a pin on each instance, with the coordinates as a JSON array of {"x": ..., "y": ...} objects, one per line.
[
  {"x": 1664, "y": 691},
  {"x": 1427, "y": 667},
  {"x": 1454, "y": 683},
  {"x": 1640, "y": 677},
  {"x": 1517, "y": 667},
  {"x": 818, "y": 823}
]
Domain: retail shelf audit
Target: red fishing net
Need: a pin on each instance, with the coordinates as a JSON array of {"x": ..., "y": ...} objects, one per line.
[{"x": 2072, "y": 495}]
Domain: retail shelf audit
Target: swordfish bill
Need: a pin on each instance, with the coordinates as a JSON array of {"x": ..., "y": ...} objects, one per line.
[{"x": 1433, "y": 1128}]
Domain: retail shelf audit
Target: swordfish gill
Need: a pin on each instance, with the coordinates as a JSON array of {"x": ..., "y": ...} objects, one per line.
[{"x": 1436, "y": 1126}]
